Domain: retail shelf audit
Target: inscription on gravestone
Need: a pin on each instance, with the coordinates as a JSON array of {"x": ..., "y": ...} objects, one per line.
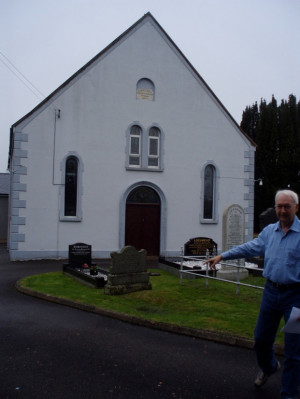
[
  {"x": 233, "y": 234},
  {"x": 197, "y": 246},
  {"x": 80, "y": 253},
  {"x": 233, "y": 227}
]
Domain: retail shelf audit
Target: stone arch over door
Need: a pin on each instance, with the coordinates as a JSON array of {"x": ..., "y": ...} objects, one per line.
[{"x": 143, "y": 218}]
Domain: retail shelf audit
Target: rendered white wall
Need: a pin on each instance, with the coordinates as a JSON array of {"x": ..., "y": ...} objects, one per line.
[{"x": 96, "y": 110}]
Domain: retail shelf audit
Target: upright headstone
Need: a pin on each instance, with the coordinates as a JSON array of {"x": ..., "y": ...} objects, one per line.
[
  {"x": 128, "y": 272},
  {"x": 267, "y": 217},
  {"x": 233, "y": 235},
  {"x": 79, "y": 254},
  {"x": 233, "y": 227},
  {"x": 80, "y": 263}
]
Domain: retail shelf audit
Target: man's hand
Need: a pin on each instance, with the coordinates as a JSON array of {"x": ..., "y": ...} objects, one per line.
[{"x": 213, "y": 261}]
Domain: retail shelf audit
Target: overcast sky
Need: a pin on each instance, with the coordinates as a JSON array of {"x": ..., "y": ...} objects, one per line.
[{"x": 245, "y": 50}]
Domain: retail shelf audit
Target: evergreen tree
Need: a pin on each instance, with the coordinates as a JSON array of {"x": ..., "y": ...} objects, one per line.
[
  {"x": 276, "y": 131},
  {"x": 249, "y": 120}
]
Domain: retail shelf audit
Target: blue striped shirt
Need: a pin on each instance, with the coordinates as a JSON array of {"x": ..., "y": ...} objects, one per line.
[{"x": 281, "y": 252}]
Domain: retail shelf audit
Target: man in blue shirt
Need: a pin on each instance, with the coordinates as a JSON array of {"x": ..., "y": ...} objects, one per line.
[{"x": 279, "y": 243}]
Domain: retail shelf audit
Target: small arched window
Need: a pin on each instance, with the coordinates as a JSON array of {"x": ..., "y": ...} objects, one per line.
[
  {"x": 144, "y": 148},
  {"x": 153, "y": 147},
  {"x": 71, "y": 184},
  {"x": 145, "y": 89},
  {"x": 135, "y": 146}
]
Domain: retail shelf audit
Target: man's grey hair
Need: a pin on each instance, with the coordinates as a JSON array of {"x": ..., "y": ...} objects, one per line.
[{"x": 290, "y": 193}]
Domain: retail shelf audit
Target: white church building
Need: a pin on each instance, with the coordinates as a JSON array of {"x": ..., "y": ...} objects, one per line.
[{"x": 133, "y": 149}]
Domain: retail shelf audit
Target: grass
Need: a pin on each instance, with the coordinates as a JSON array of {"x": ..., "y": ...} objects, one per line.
[{"x": 215, "y": 307}]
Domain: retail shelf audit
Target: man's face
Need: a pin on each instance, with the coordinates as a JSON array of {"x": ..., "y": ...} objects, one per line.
[{"x": 286, "y": 209}]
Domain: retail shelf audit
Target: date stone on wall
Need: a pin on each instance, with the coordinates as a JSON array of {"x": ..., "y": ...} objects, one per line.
[
  {"x": 233, "y": 235},
  {"x": 128, "y": 272}
]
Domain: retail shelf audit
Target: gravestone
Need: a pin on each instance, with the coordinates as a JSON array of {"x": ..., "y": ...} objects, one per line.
[
  {"x": 128, "y": 272},
  {"x": 81, "y": 267},
  {"x": 233, "y": 235},
  {"x": 233, "y": 227},
  {"x": 79, "y": 254},
  {"x": 198, "y": 246},
  {"x": 267, "y": 217}
]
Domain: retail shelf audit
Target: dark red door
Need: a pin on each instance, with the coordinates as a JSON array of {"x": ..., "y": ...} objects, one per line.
[{"x": 143, "y": 223}]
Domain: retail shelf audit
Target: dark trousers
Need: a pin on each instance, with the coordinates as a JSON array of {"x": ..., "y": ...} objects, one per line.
[{"x": 278, "y": 302}]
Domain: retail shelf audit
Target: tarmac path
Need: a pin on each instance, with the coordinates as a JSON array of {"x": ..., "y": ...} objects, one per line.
[{"x": 51, "y": 351}]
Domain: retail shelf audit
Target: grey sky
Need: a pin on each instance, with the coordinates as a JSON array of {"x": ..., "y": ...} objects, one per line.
[{"x": 245, "y": 50}]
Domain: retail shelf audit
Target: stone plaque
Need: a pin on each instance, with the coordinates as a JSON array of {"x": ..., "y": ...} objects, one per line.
[
  {"x": 233, "y": 227},
  {"x": 145, "y": 94},
  {"x": 79, "y": 254},
  {"x": 198, "y": 246}
]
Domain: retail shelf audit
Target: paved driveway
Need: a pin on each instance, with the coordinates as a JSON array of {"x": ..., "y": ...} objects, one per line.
[{"x": 50, "y": 351}]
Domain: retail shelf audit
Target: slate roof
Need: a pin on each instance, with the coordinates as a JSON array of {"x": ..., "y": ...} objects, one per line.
[{"x": 4, "y": 183}]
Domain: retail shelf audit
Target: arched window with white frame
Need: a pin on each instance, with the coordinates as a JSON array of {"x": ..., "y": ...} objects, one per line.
[
  {"x": 71, "y": 188},
  {"x": 135, "y": 146},
  {"x": 209, "y": 197},
  {"x": 153, "y": 147},
  {"x": 209, "y": 179},
  {"x": 71, "y": 177},
  {"x": 144, "y": 148}
]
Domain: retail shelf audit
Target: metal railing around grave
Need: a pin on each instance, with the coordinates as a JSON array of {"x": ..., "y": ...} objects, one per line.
[{"x": 205, "y": 273}]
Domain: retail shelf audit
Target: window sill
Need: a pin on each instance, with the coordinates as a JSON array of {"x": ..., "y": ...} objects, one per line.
[
  {"x": 132, "y": 168},
  {"x": 209, "y": 221},
  {"x": 70, "y": 219}
]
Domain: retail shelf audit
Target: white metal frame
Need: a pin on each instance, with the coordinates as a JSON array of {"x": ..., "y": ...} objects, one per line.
[{"x": 195, "y": 271}]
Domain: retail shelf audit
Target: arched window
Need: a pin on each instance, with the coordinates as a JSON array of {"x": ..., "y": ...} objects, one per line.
[
  {"x": 145, "y": 89},
  {"x": 208, "y": 192},
  {"x": 153, "y": 147},
  {"x": 209, "y": 188},
  {"x": 143, "y": 195},
  {"x": 71, "y": 181},
  {"x": 135, "y": 146},
  {"x": 71, "y": 188},
  {"x": 144, "y": 148}
]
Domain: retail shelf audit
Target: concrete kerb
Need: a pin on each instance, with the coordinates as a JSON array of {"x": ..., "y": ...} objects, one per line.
[{"x": 200, "y": 334}]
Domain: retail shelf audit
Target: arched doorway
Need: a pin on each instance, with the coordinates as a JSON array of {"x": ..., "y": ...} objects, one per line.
[{"x": 142, "y": 224}]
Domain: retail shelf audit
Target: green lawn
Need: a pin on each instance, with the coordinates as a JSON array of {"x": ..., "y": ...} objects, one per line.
[{"x": 214, "y": 307}]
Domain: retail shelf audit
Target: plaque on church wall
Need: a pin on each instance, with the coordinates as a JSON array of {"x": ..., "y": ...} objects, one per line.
[
  {"x": 198, "y": 246},
  {"x": 144, "y": 94}
]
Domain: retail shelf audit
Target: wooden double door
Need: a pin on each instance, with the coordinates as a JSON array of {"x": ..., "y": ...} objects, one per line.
[{"x": 142, "y": 224}]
